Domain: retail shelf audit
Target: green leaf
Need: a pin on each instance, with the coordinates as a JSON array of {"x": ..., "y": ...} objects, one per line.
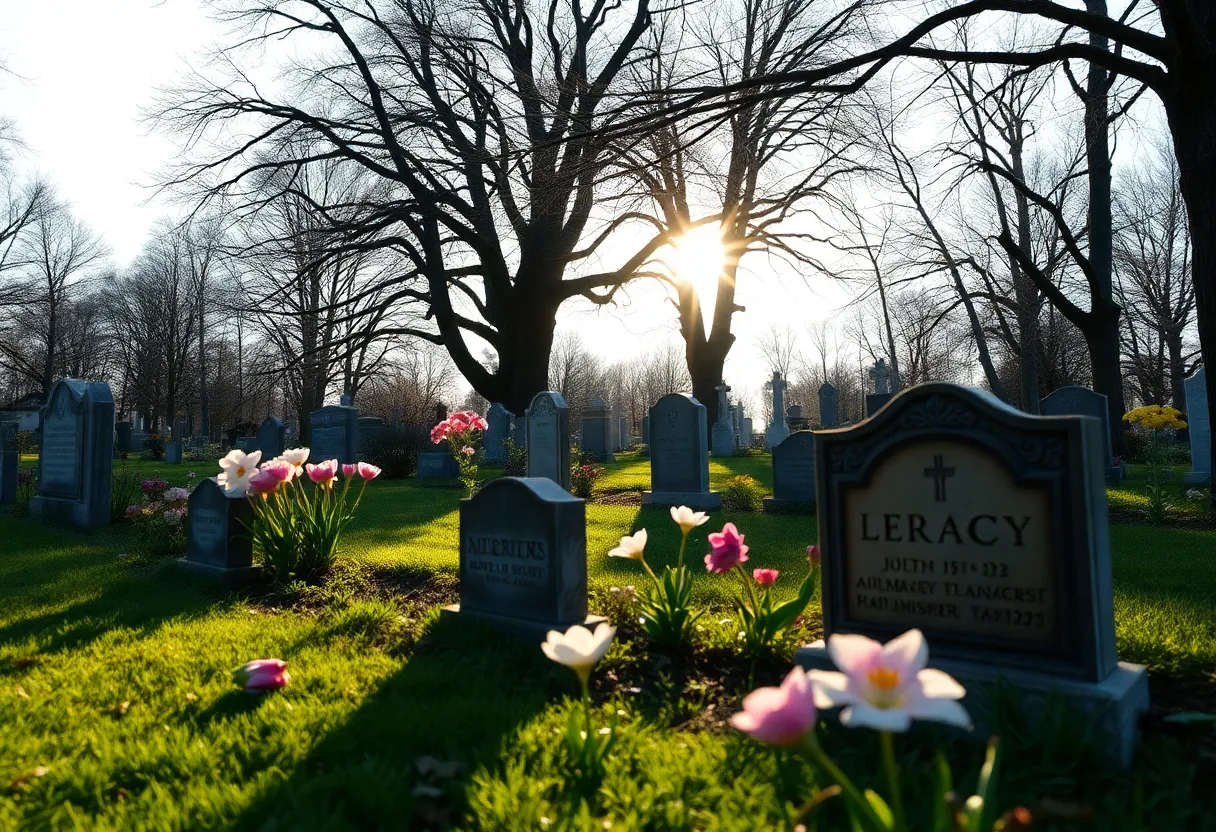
[
  {"x": 880, "y": 808},
  {"x": 942, "y": 820},
  {"x": 1191, "y": 718}
]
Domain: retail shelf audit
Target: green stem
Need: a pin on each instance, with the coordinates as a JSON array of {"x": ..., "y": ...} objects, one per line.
[
  {"x": 892, "y": 770},
  {"x": 819, "y": 758},
  {"x": 683, "y": 544},
  {"x": 586, "y": 713}
]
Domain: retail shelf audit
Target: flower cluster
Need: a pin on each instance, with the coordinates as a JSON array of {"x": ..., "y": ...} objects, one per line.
[
  {"x": 153, "y": 489},
  {"x": 1155, "y": 417},
  {"x": 582, "y": 479},
  {"x": 460, "y": 422},
  {"x": 462, "y": 430}
]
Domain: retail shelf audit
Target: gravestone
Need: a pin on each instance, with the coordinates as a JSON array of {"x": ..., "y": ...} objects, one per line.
[
  {"x": 876, "y": 402},
  {"x": 218, "y": 544},
  {"x": 745, "y": 437},
  {"x": 624, "y": 432},
  {"x": 793, "y": 474},
  {"x": 597, "y": 432},
  {"x": 679, "y": 455},
  {"x": 986, "y": 528},
  {"x": 500, "y": 422},
  {"x": 9, "y": 460},
  {"x": 173, "y": 452},
  {"x": 122, "y": 437},
  {"x": 1074, "y": 400},
  {"x": 548, "y": 438},
  {"x": 437, "y": 463},
  {"x": 180, "y": 429},
  {"x": 372, "y": 430},
  {"x": 881, "y": 375},
  {"x": 793, "y": 418},
  {"x": 777, "y": 429},
  {"x": 523, "y": 556},
  {"x": 76, "y": 458},
  {"x": 335, "y": 434},
  {"x": 645, "y": 430},
  {"x": 722, "y": 439},
  {"x": 1199, "y": 424},
  {"x": 249, "y": 444},
  {"x": 272, "y": 438},
  {"x": 829, "y": 414}
]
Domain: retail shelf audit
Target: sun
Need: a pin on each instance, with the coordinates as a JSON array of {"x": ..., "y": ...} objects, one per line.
[{"x": 697, "y": 259}]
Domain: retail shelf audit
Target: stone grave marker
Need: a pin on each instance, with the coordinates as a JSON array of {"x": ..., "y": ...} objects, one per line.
[
  {"x": 76, "y": 458},
  {"x": 679, "y": 455},
  {"x": 1199, "y": 425},
  {"x": 1074, "y": 400},
  {"x": 722, "y": 438},
  {"x": 217, "y": 538},
  {"x": 122, "y": 437},
  {"x": 523, "y": 555},
  {"x": 597, "y": 432},
  {"x": 272, "y": 438},
  {"x": 500, "y": 423},
  {"x": 986, "y": 528},
  {"x": 793, "y": 474},
  {"x": 249, "y": 444},
  {"x": 548, "y": 438},
  {"x": 829, "y": 408},
  {"x": 745, "y": 437},
  {"x": 777, "y": 429},
  {"x": 9, "y": 460},
  {"x": 645, "y": 430},
  {"x": 622, "y": 424},
  {"x": 794, "y": 419},
  {"x": 335, "y": 434},
  {"x": 173, "y": 451}
]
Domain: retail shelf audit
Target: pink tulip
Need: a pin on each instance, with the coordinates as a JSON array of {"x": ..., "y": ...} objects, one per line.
[
  {"x": 280, "y": 469},
  {"x": 349, "y": 469},
  {"x": 765, "y": 577},
  {"x": 812, "y": 554},
  {"x": 324, "y": 472},
  {"x": 779, "y": 716},
  {"x": 264, "y": 482},
  {"x": 440, "y": 432},
  {"x": 368, "y": 471},
  {"x": 729, "y": 549},
  {"x": 261, "y": 675},
  {"x": 479, "y": 423}
]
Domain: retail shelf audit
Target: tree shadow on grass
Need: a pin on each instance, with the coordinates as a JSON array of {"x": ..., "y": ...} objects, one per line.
[{"x": 403, "y": 759}]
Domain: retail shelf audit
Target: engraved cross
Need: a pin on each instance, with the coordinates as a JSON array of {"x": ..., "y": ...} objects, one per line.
[{"x": 939, "y": 472}]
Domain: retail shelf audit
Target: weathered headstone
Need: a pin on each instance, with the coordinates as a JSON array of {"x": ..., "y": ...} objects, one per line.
[
  {"x": 597, "y": 432},
  {"x": 777, "y": 429},
  {"x": 793, "y": 474},
  {"x": 548, "y": 438},
  {"x": 272, "y": 438},
  {"x": 645, "y": 430},
  {"x": 793, "y": 418},
  {"x": 217, "y": 534},
  {"x": 9, "y": 461},
  {"x": 623, "y": 433},
  {"x": 829, "y": 413},
  {"x": 722, "y": 438},
  {"x": 76, "y": 458},
  {"x": 173, "y": 452},
  {"x": 1074, "y": 400},
  {"x": 523, "y": 555},
  {"x": 679, "y": 455},
  {"x": 1199, "y": 425},
  {"x": 435, "y": 462},
  {"x": 122, "y": 437},
  {"x": 181, "y": 428},
  {"x": 881, "y": 375},
  {"x": 249, "y": 444},
  {"x": 500, "y": 422},
  {"x": 745, "y": 438},
  {"x": 986, "y": 528},
  {"x": 335, "y": 434}
]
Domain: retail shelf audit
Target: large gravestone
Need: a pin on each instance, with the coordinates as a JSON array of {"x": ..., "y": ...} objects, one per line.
[
  {"x": 122, "y": 438},
  {"x": 272, "y": 438},
  {"x": 173, "y": 452},
  {"x": 793, "y": 474},
  {"x": 372, "y": 431},
  {"x": 597, "y": 431},
  {"x": 1199, "y": 425},
  {"x": 9, "y": 461},
  {"x": 76, "y": 458},
  {"x": 523, "y": 555},
  {"x": 794, "y": 420},
  {"x": 679, "y": 455},
  {"x": 500, "y": 423},
  {"x": 335, "y": 434},
  {"x": 722, "y": 438},
  {"x": 829, "y": 413},
  {"x": 986, "y": 528},
  {"x": 218, "y": 543},
  {"x": 777, "y": 429},
  {"x": 548, "y": 438},
  {"x": 1074, "y": 400}
]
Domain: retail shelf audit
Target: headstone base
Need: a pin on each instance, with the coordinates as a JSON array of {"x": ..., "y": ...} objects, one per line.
[
  {"x": 1115, "y": 704},
  {"x": 1200, "y": 478},
  {"x": 519, "y": 626},
  {"x": 228, "y": 578},
  {"x": 696, "y": 500},
  {"x": 437, "y": 465},
  {"x": 774, "y": 506},
  {"x": 53, "y": 510}
]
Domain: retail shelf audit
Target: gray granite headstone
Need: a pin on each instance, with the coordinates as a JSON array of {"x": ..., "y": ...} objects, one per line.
[
  {"x": 1199, "y": 425},
  {"x": 335, "y": 434},
  {"x": 793, "y": 474},
  {"x": 828, "y": 406},
  {"x": 597, "y": 431},
  {"x": 523, "y": 555},
  {"x": 745, "y": 437},
  {"x": 794, "y": 418},
  {"x": 777, "y": 429},
  {"x": 437, "y": 463},
  {"x": 645, "y": 430},
  {"x": 986, "y": 528},
  {"x": 272, "y": 438},
  {"x": 623, "y": 437},
  {"x": 1074, "y": 400},
  {"x": 722, "y": 438},
  {"x": 679, "y": 455},
  {"x": 9, "y": 461},
  {"x": 218, "y": 543},
  {"x": 548, "y": 438},
  {"x": 500, "y": 423},
  {"x": 122, "y": 438},
  {"x": 76, "y": 457},
  {"x": 249, "y": 444},
  {"x": 881, "y": 374},
  {"x": 876, "y": 402},
  {"x": 173, "y": 452}
]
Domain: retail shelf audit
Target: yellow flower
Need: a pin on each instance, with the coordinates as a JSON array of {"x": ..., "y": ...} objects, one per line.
[{"x": 1155, "y": 417}]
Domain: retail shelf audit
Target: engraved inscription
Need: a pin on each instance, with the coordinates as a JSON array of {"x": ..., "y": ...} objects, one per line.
[
  {"x": 61, "y": 451},
  {"x": 328, "y": 443}
]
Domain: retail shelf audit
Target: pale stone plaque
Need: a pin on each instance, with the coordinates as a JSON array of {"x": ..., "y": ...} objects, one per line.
[{"x": 945, "y": 539}]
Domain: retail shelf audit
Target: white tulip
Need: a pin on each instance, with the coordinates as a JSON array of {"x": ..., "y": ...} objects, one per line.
[
  {"x": 687, "y": 519},
  {"x": 631, "y": 546},
  {"x": 237, "y": 467},
  {"x": 578, "y": 648},
  {"x": 297, "y": 457}
]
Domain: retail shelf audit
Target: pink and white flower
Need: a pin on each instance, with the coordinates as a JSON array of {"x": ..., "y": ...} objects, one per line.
[
  {"x": 263, "y": 483},
  {"x": 779, "y": 716},
  {"x": 813, "y": 556},
  {"x": 467, "y": 450},
  {"x": 297, "y": 457},
  {"x": 349, "y": 469},
  {"x": 886, "y": 686},
  {"x": 632, "y": 546},
  {"x": 176, "y": 495},
  {"x": 765, "y": 577},
  {"x": 174, "y": 516},
  {"x": 236, "y": 469},
  {"x": 324, "y": 472},
  {"x": 368, "y": 471},
  {"x": 261, "y": 675},
  {"x": 728, "y": 549},
  {"x": 281, "y": 469}
]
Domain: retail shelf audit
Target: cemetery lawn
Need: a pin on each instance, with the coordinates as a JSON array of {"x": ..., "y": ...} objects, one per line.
[{"x": 117, "y": 711}]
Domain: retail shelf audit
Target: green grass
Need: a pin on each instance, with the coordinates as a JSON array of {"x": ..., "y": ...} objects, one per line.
[{"x": 116, "y": 709}]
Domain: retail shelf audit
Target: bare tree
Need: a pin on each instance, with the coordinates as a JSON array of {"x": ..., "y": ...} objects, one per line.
[{"x": 778, "y": 346}]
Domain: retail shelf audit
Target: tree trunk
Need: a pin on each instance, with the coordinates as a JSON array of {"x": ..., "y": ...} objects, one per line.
[
  {"x": 204, "y": 422},
  {"x": 1177, "y": 370}
]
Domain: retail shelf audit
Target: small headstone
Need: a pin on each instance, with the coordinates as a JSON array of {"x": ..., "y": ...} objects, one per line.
[
  {"x": 9, "y": 460},
  {"x": 745, "y": 437},
  {"x": 76, "y": 458},
  {"x": 828, "y": 406},
  {"x": 597, "y": 431},
  {"x": 436, "y": 462},
  {"x": 441, "y": 413},
  {"x": 645, "y": 430},
  {"x": 793, "y": 474},
  {"x": 122, "y": 437},
  {"x": 249, "y": 444},
  {"x": 679, "y": 455},
  {"x": 272, "y": 438},
  {"x": 335, "y": 434},
  {"x": 181, "y": 428},
  {"x": 986, "y": 528},
  {"x": 1074, "y": 400},
  {"x": 217, "y": 534},
  {"x": 722, "y": 438},
  {"x": 500, "y": 422},
  {"x": 173, "y": 452},
  {"x": 876, "y": 402},
  {"x": 777, "y": 429},
  {"x": 548, "y": 438},
  {"x": 1199, "y": 424},
  {"x": 523, "y": 555},
  {"x": 623, "y": 432},
  {"x": 793, "y": 417}
]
